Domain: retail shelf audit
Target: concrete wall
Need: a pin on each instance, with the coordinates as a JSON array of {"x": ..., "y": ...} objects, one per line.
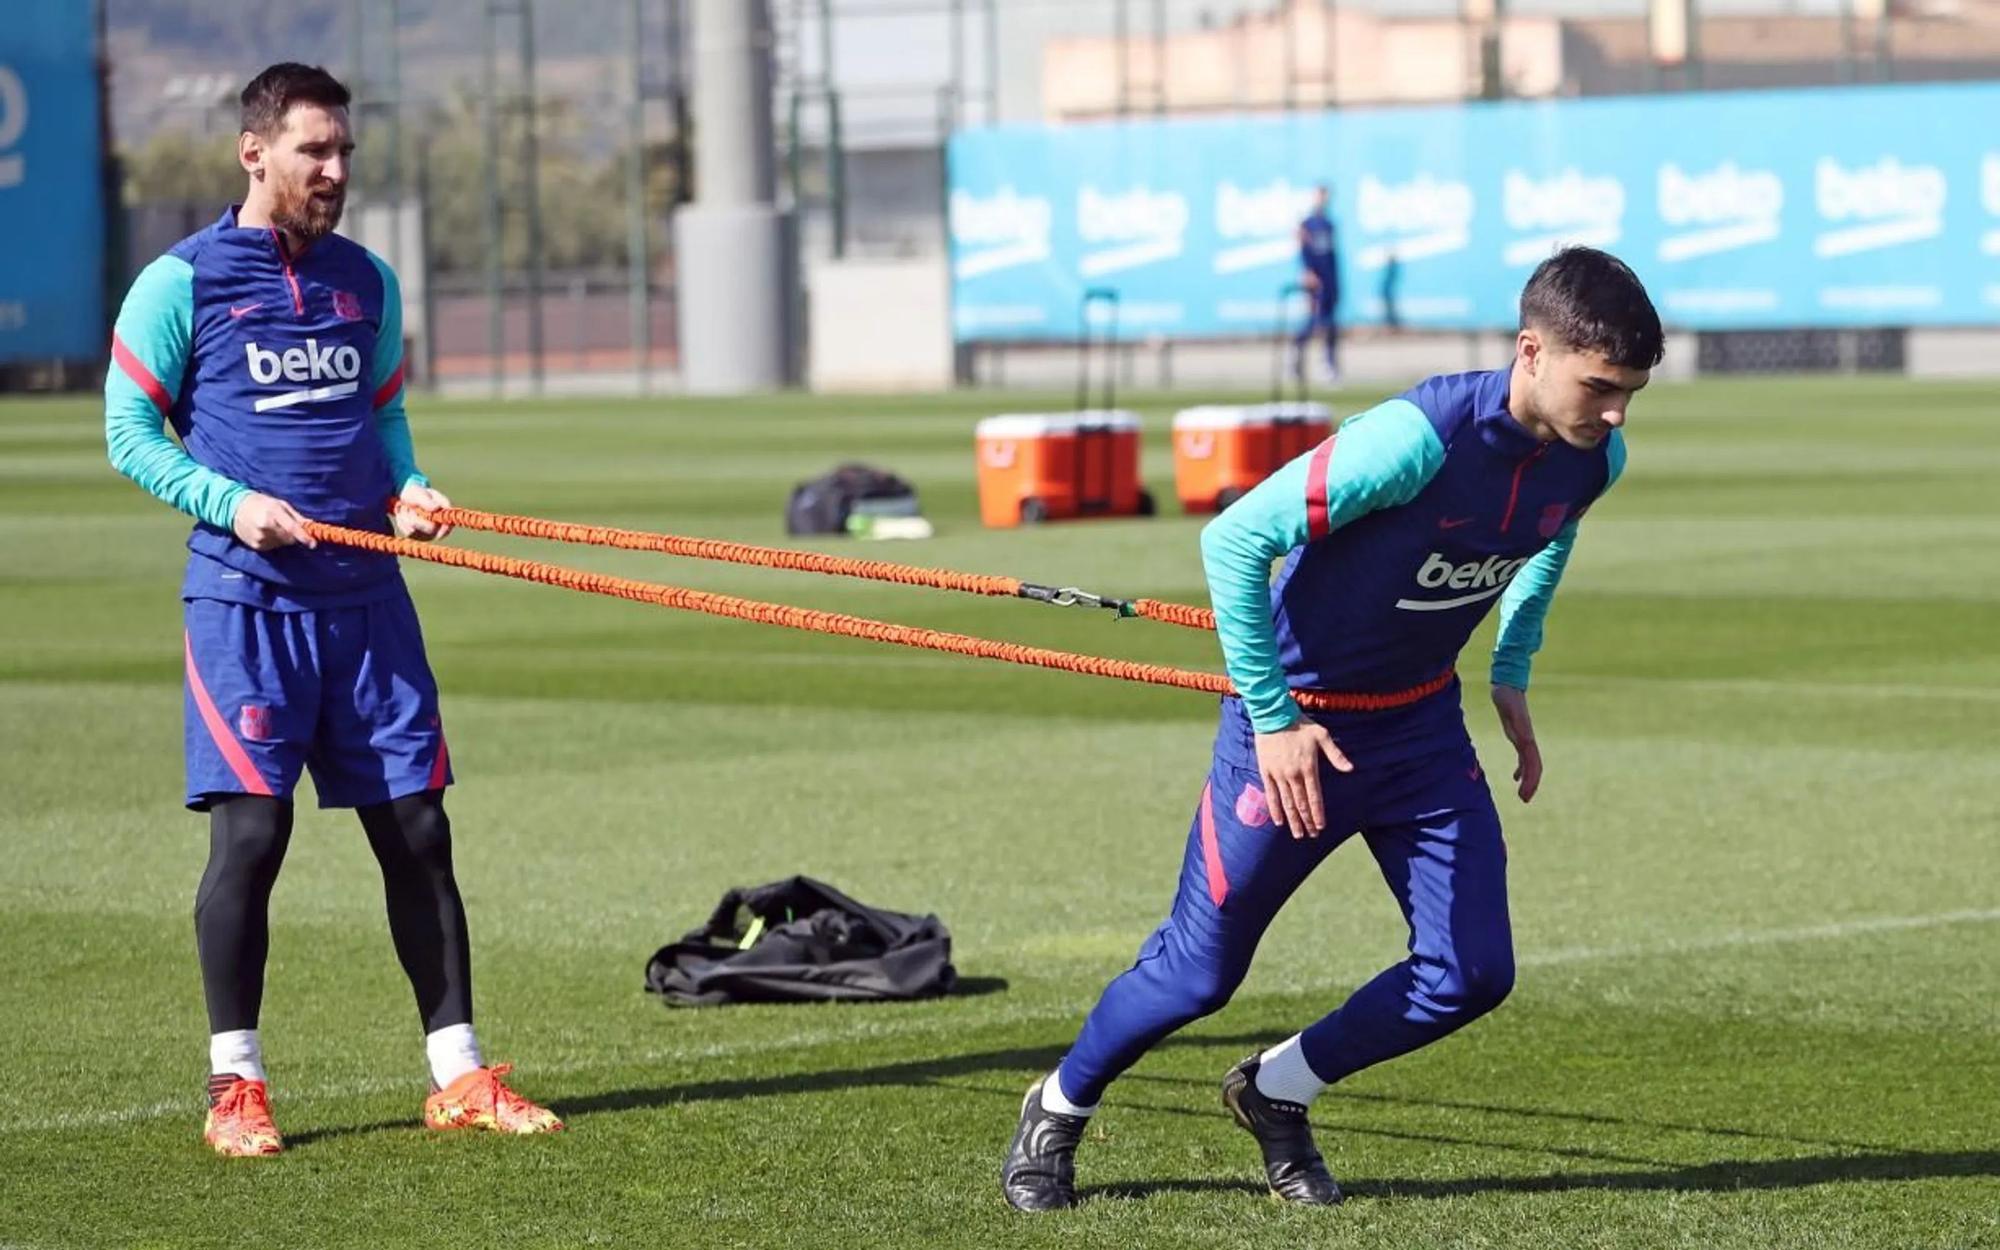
[
  {"x": 879, "y": 325},
  {"x": 1247, "y": 63},
  {"x": 1282, "y": 56},
  {"x": 1952, "y": 353}
]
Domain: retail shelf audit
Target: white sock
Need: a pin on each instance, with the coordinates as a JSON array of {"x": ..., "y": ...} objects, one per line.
[
  {"x": 236, "y": 1053},
  {"x": 1054, "y": 1100},
  {"x": 1285, "y": 1075},
  {"x": 453, "y": 1052}
]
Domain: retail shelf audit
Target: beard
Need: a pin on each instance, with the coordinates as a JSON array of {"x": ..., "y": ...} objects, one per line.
[{"x": 309, "y": 216}]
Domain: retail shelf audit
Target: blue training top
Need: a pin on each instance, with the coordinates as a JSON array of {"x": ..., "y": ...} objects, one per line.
[
  {"x": 1316, "y": 248},
  {"x": 281, "y": 374},
  {"x": 1398, "y": 534}
]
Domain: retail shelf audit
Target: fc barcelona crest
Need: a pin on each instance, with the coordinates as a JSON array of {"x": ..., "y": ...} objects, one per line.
[
  {"x": 347, "y": 305},
  {"x": 254, "y": 723},
  {"x": 1553, "y": 517}
]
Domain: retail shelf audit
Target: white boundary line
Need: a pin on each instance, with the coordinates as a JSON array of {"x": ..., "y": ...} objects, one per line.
[
  {"x": 1755, "y": 937},
  {"x": 716, "y": 1050},
  {"x": 1762, "y": 686}
]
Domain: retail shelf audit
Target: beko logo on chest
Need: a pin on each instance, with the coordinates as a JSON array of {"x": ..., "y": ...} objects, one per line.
[
  {"x": 1484, "y": 578},
  {"x": 338, "y": 365}
]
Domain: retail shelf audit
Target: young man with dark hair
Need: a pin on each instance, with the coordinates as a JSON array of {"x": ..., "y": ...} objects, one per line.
[
  {"x": 274, "y": 348},
  {"x": 1398, "y": 535}
]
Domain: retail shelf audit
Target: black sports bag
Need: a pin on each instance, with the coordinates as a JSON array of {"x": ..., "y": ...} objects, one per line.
[{"x": 801, "y": 940}]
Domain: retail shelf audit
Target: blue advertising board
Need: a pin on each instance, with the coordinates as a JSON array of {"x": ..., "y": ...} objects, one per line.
[
  {"x": 51, "y": 202},
  {"x": 1856, "y": 206}
]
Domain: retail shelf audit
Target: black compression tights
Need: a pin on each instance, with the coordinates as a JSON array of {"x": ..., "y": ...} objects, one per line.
[
  {"x": 411, "y": 838},
  {"x": 247, "y": 836}
]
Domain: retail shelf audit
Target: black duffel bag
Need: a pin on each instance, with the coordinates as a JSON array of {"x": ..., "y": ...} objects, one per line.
[
  {"x": 824, "y": 504},
  {"x": 801, "y": 940}
]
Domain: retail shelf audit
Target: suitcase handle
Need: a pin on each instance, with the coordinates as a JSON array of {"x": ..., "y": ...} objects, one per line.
[
  {"x": 1109, "y": 297},
  {"x": 1279, "y": 338},
  {"x": 1094, "y": 450}
]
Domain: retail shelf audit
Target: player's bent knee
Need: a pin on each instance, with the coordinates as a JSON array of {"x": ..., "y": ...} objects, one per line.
[
  {"x": 1187, "y": 974},
  {"x": 247, "y": 838},
  {"x": 1209, "y": 991},
  {"x": 250, "y": 830},
  {"x": 425, "y": 829},
  {"x": 1480, "y": 987}
]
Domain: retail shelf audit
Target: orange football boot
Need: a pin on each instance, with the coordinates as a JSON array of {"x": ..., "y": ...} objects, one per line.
[
  {"x": 239, "y": 1119},
  {"x": 480, "y": 1099}
]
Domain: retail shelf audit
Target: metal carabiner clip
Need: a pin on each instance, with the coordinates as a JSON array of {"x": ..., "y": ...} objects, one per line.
[{"x": 1070, "y": 596}]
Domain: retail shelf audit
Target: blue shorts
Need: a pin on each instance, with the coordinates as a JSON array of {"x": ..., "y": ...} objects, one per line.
[{"x": 343, "y": 691}]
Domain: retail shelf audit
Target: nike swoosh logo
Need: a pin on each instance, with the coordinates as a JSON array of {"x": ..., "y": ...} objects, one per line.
[
  {"x": 247, "y": 309},
  {"x": 1452, "y": 523}
]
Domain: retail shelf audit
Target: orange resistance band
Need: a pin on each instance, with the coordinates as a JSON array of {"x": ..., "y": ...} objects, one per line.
[
  {"x": 779, "y": 558},
  {"x": 844, "y": 625}
]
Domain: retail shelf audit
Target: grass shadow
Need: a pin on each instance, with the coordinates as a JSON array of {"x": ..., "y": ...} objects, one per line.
[
  {"x": 1849, "y": 1162},
  {"x": 1722, "y": 1175}
]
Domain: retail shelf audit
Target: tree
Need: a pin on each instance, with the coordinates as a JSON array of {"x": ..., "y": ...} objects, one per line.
[
  {"x": 177, "y": 166},
  {"x": 582, "y": 198},
  {"x": 444, "y": 156}
]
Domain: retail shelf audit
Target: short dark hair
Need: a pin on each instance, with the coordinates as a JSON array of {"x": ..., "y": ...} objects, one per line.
[
  {"x": 1593, "y": 302},
  {"x": 269, "y": 98}
]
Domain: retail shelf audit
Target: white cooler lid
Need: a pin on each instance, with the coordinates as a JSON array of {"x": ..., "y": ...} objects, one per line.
[
  {"x": 1043, "y": 424},
  {"x": 1296, "y": 409},
  {"x": 1218, "y": 417},
  {"x": 1026, "y": 425}
]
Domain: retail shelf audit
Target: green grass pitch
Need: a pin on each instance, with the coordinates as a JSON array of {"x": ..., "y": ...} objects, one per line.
[{"x": 1757, "y": 904}]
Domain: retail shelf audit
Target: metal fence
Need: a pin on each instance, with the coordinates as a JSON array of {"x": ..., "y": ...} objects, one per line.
[{"x": 549, "y": 141}]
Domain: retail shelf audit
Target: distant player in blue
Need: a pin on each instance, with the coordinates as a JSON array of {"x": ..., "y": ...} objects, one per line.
[
  {"x": 1398, "y": 535},
  {"x": 274, "y": 348},
  {"x": 1319, "y": 273}
]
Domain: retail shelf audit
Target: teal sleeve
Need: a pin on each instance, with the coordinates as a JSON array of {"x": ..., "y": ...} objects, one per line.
[
  {"x": 150, "y": 347},
  {"x": 1378, "y": 459},
  {"x": 1526, "y": 604},
  {"x": 392, "y": 423}
]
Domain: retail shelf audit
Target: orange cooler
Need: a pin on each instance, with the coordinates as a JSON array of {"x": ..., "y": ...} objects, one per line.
[
  {"x": 1051, "y": 466},
  {"x": 1297, "y": 426},
  {"x": 1222, "y": 450}
]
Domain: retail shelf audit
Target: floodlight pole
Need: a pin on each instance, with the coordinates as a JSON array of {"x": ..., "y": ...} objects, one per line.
[
  {"x": 1122, "y": 30},
  {"x": 729, "y": 244},
  {"x": 957, "y": 62},
  {"x": 496, "y": 336},
  {"x": 396, "y": 145},
  {"x": 532, "y": 192},
  {"x": 639, "y": 309},
  {"x": 992, "y": 62}
]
